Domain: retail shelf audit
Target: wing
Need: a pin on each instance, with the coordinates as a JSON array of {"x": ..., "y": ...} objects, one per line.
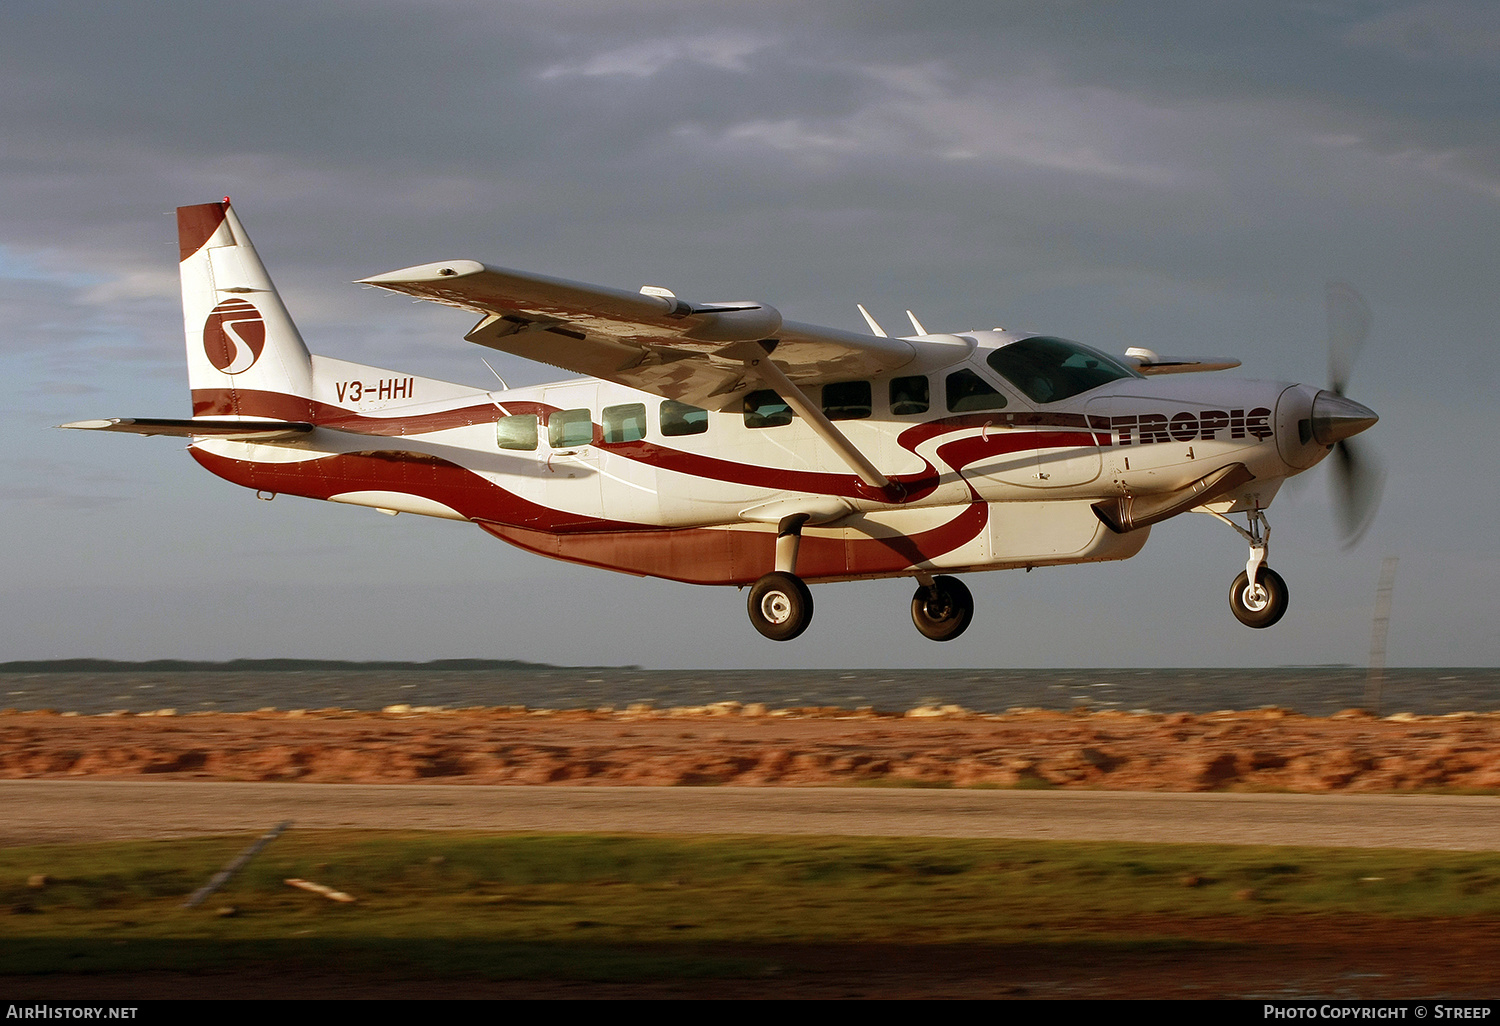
[{"x": 650, "y": 340}]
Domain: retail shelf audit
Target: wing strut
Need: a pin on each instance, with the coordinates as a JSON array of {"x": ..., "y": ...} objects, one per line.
[{"x": 773, "y": 375}]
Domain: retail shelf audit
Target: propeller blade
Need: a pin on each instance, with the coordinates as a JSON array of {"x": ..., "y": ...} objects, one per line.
[
  {"x": 1358, "y": 481},
  {"x": 1348, "y": 324}
]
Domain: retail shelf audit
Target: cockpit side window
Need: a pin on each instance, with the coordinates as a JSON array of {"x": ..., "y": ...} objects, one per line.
[
  {"x": 968, "y": 393},
  {"x": 1049, "y": 369}
]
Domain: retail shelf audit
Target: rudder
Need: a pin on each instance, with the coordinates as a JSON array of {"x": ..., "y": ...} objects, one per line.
[{"x": 245, "y": 356}]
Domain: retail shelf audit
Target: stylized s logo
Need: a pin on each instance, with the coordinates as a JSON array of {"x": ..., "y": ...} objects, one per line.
[{"x": 234, "y": 336}]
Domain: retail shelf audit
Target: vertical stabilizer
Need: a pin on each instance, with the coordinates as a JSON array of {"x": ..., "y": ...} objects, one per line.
[{"x": 245, "y": 357}]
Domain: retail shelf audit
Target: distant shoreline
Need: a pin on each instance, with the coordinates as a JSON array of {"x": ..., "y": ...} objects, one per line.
[
  {"x": 88, "y": 686},
  {"x": 276, "y": 665},
  {"x": 283, "y": 665}
]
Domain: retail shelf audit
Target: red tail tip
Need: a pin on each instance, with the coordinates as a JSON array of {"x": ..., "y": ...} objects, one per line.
[{"x": 226, "y": 201}]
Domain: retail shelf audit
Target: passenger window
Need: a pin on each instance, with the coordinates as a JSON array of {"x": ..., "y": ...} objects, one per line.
[
  {"x": 518, "y": 432},
  {"x": 624, "y": 423},
  {"x": 682, "y": 419},
  {"x": 909, "y": 395},
  {"x": 765, "y": 408},
  {"x": 846, "y": 400},
  {"x": 569, "y": 428},
  {"x": 968, "y": 392}
]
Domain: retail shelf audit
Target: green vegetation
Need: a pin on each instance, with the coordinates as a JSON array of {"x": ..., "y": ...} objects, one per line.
[{"x": 602, "y": 907}]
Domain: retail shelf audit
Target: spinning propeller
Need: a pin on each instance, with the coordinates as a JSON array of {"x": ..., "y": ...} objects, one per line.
[{"x": 1358, "y": 479}]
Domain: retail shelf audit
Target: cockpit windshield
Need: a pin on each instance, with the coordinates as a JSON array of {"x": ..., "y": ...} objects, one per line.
[{"x": 1048, "y": 369}]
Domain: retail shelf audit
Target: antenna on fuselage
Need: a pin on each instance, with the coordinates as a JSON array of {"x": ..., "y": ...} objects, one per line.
[
  {"x": 916, "y": 323},
  {"x": 876, "y": 328},
  {"x": 496, "y": 373}
]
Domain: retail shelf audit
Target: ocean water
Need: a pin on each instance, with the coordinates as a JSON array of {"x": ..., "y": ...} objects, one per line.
[{"x": 1314, "y": 691}]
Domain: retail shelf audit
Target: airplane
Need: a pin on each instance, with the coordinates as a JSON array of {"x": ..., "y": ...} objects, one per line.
[{"x": 719, "y": 443}]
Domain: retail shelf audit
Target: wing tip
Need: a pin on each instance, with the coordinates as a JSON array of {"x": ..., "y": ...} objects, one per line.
[{"x": 423, "y": 273}]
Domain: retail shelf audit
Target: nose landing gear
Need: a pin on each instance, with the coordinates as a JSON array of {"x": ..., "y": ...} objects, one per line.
[
  {"x": 1260, "y": 604},
  {"x": 1258, "y": 596}
]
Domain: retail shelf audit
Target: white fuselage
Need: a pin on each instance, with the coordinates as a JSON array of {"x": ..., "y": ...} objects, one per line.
[{"x": 603, "y": 474}]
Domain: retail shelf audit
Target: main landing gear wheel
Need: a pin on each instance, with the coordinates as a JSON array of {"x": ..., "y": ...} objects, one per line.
[
  {"x": 1262, "y": 605},
  {"x": 781, "y": 606},
  {"x": 943, "y": 611}
]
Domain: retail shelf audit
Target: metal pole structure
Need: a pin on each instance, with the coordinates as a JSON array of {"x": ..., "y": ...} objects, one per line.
[
  {"x": 222, "y": 876},
  {"x": 1377, "y": 634}
]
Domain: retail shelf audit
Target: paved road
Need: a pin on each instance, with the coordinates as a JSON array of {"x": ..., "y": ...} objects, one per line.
[{"x": 39, "y": 811}]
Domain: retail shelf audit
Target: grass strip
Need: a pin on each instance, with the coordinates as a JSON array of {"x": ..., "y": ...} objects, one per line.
[{"x": 632, "y": 907}]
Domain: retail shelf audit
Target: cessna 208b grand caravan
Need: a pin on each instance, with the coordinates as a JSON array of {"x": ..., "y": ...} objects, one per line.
[{"x": 717, "y": 443}]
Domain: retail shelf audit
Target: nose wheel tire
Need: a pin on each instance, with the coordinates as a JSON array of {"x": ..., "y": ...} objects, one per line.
[
  {"x": 943, "y": 611},
  {"x": 780, "y": 606},
  {"x": 1262, "y": 605}
]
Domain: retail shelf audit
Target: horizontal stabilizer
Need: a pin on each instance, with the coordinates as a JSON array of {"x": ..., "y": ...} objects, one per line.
[{"x": 242, "y": 430}]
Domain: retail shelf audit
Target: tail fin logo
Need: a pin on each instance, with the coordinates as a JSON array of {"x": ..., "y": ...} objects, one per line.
[{"x": 234, "y": 336}]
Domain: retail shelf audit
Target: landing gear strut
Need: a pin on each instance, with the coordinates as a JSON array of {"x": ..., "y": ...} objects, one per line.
[
  {"x": 780, "y": 604},
  {"x": 943, "y": 609},
  {"x": 1258, "y": 596}
]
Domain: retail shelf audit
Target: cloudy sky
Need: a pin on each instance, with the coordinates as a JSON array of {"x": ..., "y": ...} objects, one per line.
[{"x": 1184, "y": 176}]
